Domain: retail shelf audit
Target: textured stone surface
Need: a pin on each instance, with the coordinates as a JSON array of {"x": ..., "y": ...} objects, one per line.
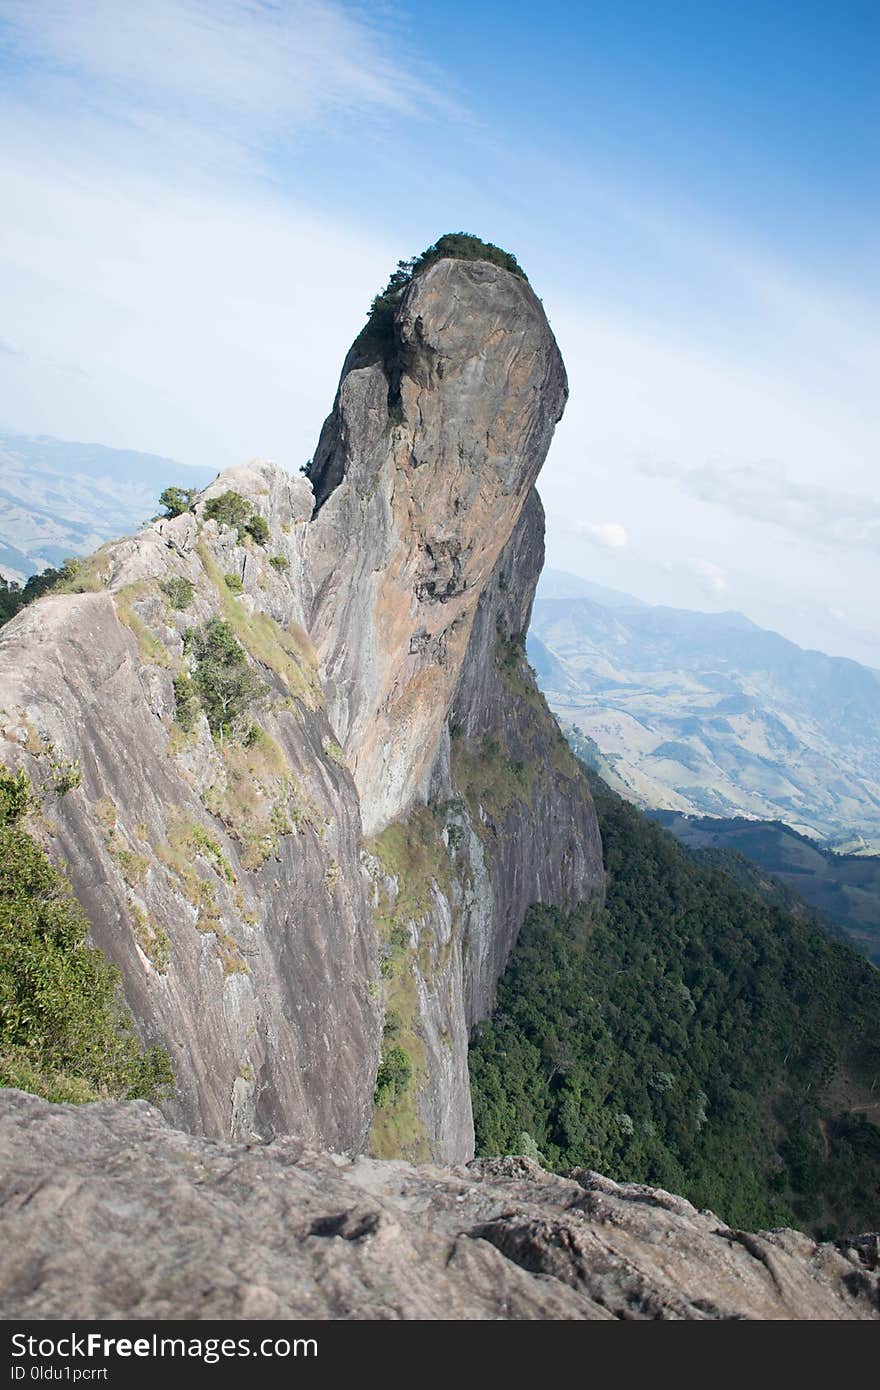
[
  {"x": 413, "y": 580},
  {"x": 422, "y": 471},
  {"x": 511, "y": 841},
  {"x": 264, "y": 1003},
  {"x": 106, "y": 1212}
]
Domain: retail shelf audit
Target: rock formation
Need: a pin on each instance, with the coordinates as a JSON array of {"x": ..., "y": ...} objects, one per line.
[
  {"x": 107, "y": 1212},
  {"x": 263, "y": 940}
]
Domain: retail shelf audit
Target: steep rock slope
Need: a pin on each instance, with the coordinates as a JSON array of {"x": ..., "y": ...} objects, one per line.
[
  {"x": 106, "y": 1212},
  {"x": 222, "y": 878},
  {"x": 262, "y": 940}
]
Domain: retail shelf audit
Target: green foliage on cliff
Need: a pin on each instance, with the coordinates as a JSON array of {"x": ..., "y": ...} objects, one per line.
[
  {"x": 693, "y": 1037},
  {"x": 460, "y": 246},
  {"x": 177, "y": 500},
  {"x": 179, "y": 592},
  {"x": 227, "y": 509},
  {"x": 225, "y": 684},
  {"x": 258, "y": 529},
  {"x": 63, "y": 1033},
  {"x": 394, "y": 1075},
  {"x": 412, "y": 854},
  {"x": 14, "y": 597}
]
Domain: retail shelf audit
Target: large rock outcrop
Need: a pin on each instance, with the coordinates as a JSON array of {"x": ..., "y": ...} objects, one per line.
[
  {"x": 264, "y": 941},
  {"x": 421, "y": 473},
  {"x": 225, "y": 881},
  {"x": 107, "y": 1212}
]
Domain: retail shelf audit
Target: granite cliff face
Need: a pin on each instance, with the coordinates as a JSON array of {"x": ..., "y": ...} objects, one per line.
[
  {"x": 221, "y": 879},
  {"x": 350, "y": 871},
  {"x": 421, "y": 474},
  {"x": 107, "y": 1212}
]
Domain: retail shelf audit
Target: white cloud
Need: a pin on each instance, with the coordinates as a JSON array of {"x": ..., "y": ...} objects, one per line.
[
  {"x": 710, "y": 575},
  {"x": 263, "y": 62},
  {"x": 605, "y": 533},
  {"x": 181, "y": 323},
  {"x": 767, "y": 493},
  {"x": 161, "y": 286}
]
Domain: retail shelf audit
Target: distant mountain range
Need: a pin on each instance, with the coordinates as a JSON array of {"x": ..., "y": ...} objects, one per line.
[
  {"x": 707, "y": 714},
  {"x": 59, "y": 498}
]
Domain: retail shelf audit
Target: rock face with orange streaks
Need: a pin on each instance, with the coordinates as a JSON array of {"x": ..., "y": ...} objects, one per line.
[
  {"x": 420, "y": 476},
  {"x": 354, "y": 863}
]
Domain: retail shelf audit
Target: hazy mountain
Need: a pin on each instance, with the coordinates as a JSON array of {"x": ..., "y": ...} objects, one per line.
[
  {"x": 558, "y": 584},
  {"x": 708, "y": 714},
  {"x": 59, "y": 498}
]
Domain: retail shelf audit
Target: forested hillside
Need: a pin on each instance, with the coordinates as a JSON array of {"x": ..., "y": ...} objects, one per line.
[
  {"x": 690, "y": 1036},
  {"x": 844, "y": 888}
]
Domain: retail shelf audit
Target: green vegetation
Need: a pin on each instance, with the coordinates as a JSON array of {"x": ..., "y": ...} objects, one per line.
[
  {"x": 226, "y": 686},
  {"x": 74, "y": 577},
  {"x": 486, "y": 774},
  {"x": 257, "y": 527},
  {"x": 460, "y": 246},
  {"x": 231, "y": 509},
  {"x": 377, "y": 339},
  {"x": 279, "y": 563},
  {"x": 179, "y": 591},
  {"x": 188, "y": 841},
  {"x": 844, "y": 888},
  {"x": 63, "y": 1033},
  {"x": 411, "y": 852},
  {"x": 285, "y": 651},
  {"x": 258, "y": 800},
  {"x": 334, "y": 751},
  {"x": 177, "y": 500},
  {"x": 66, "y": 773},
  {"x": 186, "y": 700},
  {"x": 228, "y": 509},
  {"x": 690, "y": 1036},
  {"x": 152, "y": 939},
  {"x": 394, "y": 1075},
  {"x": 14, "y": 597},
  {"x": 233, "y": 583}
]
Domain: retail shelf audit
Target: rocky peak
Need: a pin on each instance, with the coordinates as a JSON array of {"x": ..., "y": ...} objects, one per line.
[
  {"x": 375, "y": 623},
  {"x": 420, "y": 476}
]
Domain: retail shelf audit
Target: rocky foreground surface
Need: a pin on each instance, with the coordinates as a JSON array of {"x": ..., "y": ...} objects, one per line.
[{"x": 108, "y": 1212}]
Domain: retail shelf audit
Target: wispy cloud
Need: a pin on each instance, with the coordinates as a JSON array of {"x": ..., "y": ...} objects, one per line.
[
  {"x": 245, "y": 72},
  {"x": 711, "y": 576},
  {"x": 160, "y": 252},
  {"x": 767, "y": 493},
  {"x": 610, "y": 534}
]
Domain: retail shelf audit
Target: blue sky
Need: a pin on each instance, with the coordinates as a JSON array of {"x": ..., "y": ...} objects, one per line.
[{"x": 201, "y": 197}]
